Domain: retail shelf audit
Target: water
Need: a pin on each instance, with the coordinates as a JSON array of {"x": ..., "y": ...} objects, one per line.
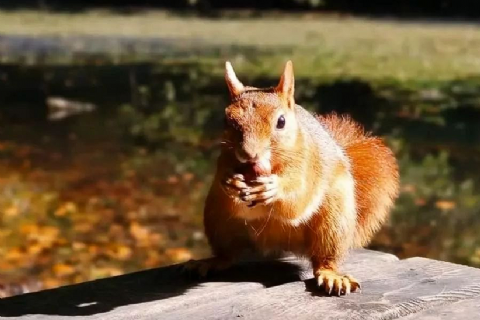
[{"x": 121, "y": 188}]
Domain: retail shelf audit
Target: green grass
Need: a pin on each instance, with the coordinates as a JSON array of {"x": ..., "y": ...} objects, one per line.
[{"x": 318, "y": 45}]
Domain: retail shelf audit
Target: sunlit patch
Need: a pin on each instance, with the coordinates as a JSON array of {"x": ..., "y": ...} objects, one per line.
[{"x": 87, "y": 304}]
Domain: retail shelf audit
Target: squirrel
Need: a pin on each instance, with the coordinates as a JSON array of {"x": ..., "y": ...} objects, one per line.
[{"x": 317, "y": 185}]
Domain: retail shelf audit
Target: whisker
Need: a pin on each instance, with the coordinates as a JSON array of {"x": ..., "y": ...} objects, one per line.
[{"x": 266, "y": 222}]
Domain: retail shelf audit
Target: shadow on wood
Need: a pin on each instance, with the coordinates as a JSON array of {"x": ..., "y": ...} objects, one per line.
[
  {"x": 156, "y": 284},
  {"x": 414, "y": 288}
]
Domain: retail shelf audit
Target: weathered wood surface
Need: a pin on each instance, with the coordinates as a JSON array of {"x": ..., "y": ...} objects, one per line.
[{"x": 415, "y": 288}]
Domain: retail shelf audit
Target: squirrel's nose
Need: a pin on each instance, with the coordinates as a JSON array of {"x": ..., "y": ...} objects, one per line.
[{"x": 246, "y": 155}]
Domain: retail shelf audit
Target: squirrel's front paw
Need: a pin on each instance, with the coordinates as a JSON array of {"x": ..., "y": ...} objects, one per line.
[
  {"x": 337, "y": 284},
  {"x": 263, "y": 190},
  {"x": 234, "y": 184}
]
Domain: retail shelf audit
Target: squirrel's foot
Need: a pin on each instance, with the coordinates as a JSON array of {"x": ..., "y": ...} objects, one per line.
[
  {"x": 264, "y": 190},
  {"x": 336, "y": 284},
  {"x": 234, "y": 184},
  {"x": 206, "y": 266}
]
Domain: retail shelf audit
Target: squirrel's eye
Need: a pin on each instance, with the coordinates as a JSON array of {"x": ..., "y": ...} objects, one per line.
[{"x": 281, "y": 122}]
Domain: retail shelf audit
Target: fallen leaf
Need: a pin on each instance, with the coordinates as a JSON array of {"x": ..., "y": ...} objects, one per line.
[
  {"x": 119, "y": 252},
  {"x": 83, "y": 227},
  {"x": 409, "y": 188},
  {"x": 154, "y": 259},
  {"x": 77, "y": 246},
  {"x": 34, "y": 249},
  {"x": 12, "y": 211},
  {"x": 104, "y": 272},
  {"x": 50, "y": 283},
  {"x": 66, "y": 208},
  {"x": 445, "y": 205},
  {"x": 63, "y": 270},
  {"x": 172, "y": 180},
  {"x": 6, "y": 266},
  {"x": 187, "y": 176},
  {"x": 93, "y": 250},
  {"x": 138, "y": 232},
  {"x": 14, "y": 254},
  {"x": 28, "y": 229},
  {"x": 420, "y": 202},
  {"x": 156, "y": 238},
  {"x": 179, "y": 254}
]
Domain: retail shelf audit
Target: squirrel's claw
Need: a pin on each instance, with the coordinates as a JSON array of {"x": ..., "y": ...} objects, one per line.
[
  {"x": 264, "y": 190},
  {"x": 257, "y": 197},
  {"x": 335, "y": 284},
  {"x": 234, "y": 185},
  {"x": 265, "y": 180}
]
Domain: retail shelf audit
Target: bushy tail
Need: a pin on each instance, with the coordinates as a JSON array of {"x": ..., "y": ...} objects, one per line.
[{"x": 375, "y": 171}]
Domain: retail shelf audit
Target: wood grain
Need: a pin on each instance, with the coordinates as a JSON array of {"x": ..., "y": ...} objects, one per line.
[{"x": 415, "y": 288}]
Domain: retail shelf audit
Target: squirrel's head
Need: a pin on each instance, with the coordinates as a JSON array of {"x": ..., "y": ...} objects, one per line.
[{"x": 260, "y": 121}]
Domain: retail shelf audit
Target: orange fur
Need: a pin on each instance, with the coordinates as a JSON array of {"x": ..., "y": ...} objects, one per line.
[
  {"x": 374, "y": 169},
  {"x": 334, "y": 189}
]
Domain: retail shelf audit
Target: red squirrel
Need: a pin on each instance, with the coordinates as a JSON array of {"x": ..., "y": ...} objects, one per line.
[{"x": 290, "y": 181}]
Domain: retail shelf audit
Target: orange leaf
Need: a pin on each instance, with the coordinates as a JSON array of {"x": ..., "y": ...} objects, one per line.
[
  {"x": 12, "y": 211},
  {"x": 77, "y": 246},
  {"x": 445, "y": 205},
  {"x": 28, "y": 229},
  {"x": 179, "y": 254},
  {"x": 14, "y": 254},
  {"x": 5, "y": 266},
  {"x": 187, "y": 176},
  {"x": 62, "y": 241},
  {"x": 172, "y": 180},
  {"x": 34, "y": 249},
  {"x": 83, "y": 227},
  {"x": 93, "y": 250},
  {"x": 51, "y": 283},
  {"x": 138, "y": 232},
  {"x": 120, "y": 252},
  {"x": 106, "y": 272},
  {"x": 420, "y": 202},
  {"x": 63, "y": 270},
  {"x": 66, "y": 208},
  {"x": 156, "y": 238},
  {"x": 154, "y": 259},
  {"x": 409, "y": 188}
]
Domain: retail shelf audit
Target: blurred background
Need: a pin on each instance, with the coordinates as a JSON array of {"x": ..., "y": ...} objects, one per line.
[{"x": 110, "y": 116}]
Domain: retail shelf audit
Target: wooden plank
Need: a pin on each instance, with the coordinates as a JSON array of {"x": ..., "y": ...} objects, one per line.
[
  {"x": 391, "y": 289},
  {"x": 463, "y": 309},
  {"x": 301, "y": 273},
  {"x": 165, "y": 290},
  {"x": 389, "y": 292}
]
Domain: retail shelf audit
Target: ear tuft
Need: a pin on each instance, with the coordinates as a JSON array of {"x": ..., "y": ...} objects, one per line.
[
  {"x": 286, "y": 86},
  {"x": 235, "y": 87}
]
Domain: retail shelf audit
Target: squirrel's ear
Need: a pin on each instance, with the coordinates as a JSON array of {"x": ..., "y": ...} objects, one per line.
[
  {"x": 286, "y": 87},
  {"x": 234, "y": 85}
]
